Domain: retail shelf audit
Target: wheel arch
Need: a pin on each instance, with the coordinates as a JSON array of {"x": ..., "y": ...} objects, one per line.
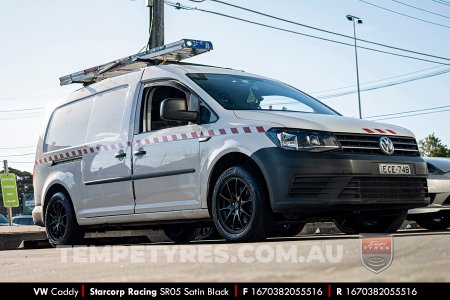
[
  {"x": 229, "y": 160},
  {"x": 53, "y": 189}
]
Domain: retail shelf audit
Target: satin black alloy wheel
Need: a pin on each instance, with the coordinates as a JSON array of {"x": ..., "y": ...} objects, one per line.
[
  {"x": 240, "y": 206},
  {"x": 60, "y": 221},
  {"x": 235, "y": 205}
]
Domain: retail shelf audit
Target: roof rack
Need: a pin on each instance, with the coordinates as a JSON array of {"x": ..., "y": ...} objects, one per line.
[{"x": 173, "y": 52}]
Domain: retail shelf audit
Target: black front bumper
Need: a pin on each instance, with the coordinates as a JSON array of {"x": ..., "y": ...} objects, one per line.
[{"x": 323, "y": 183}]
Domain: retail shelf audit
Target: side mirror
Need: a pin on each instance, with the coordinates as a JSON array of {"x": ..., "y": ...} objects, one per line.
[{"x": 175, "y": 109}]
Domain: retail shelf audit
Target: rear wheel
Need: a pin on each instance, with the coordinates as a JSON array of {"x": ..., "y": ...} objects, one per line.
[
  {"x": 433, "y": 222},
  {"x": 240, "y": 206},
  {"x": 287, "y": 230},
  {"x": 371, "y": 223},
  {"x": 61, "y": 223},
  {"x": 181, "y": 233},
  {"x": 207, "y": 233}
]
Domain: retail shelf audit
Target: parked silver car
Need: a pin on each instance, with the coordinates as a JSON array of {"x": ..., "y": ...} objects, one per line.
[{"x": 435, "y": 216}]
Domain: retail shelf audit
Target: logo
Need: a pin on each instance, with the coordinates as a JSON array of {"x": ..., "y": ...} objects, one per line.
[
  {"x": 386, "y": 145},
  {"x": 377, "y": 252}
]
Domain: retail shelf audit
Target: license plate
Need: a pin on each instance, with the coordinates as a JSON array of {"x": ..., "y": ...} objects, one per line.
[{"x": 394, "y": 169}]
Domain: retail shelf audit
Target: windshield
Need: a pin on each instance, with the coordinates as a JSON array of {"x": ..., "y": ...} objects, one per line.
[{"x": 237, "y": 92}]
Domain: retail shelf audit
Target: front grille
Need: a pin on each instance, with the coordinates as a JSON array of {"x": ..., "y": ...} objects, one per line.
[
  {"x": 314, "y": 186},
  {"x": 368, "y": 144},
  {"x": 389, "y": 188}
]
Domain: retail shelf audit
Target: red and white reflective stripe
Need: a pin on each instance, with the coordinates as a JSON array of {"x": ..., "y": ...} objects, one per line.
[
  {"x": 153, "y": 139},
  {"x": 378, "y": 130}
]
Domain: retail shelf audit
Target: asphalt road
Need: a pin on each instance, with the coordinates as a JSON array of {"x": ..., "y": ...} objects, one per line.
[{"x": 417, "y": 256}]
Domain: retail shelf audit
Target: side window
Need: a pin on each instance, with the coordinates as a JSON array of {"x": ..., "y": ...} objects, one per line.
[
  {"x": 106, "y": 115},
  {"x": 151, "y": 118},
  {"x": 68, "y": 125},
  {"x": 206, "y": 114}
]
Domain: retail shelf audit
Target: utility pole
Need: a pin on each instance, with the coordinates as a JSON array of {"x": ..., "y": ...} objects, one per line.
[
  {"x": 5, "y": 168},
  {"x": 156, "y": 26}
]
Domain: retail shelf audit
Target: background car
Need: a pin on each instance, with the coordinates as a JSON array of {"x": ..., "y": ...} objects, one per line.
[
  {"x": 23, "y": 220},
  {"x": 435, "y": 216},
  {"x": 3, "y": 220}
]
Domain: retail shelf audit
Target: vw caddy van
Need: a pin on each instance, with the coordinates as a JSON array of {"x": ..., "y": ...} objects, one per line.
[{"x": 149, "y": 141}]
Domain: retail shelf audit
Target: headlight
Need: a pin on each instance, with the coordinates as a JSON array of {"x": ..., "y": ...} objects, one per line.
[{"x": 303, "y": 140}]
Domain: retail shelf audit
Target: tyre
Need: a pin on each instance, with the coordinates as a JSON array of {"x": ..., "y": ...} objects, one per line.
[
  {"x": 60, "y": 221},
  {"x": 287, "y": 230},
  {"x": 207, "y": 233},
  {"x": 368, "y": 223},
  {"x": 181, "y": 233},
  {"x": 240, "y": 206},
  {"x": 433, "y": 221}
]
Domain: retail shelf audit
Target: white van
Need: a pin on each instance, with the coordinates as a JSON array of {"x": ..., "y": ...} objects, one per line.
[{"x": 174, "y": 146}]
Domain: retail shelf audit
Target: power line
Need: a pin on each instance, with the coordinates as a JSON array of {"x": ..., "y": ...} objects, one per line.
[
  {"x": 326, "y": 31},
  {"x": 409, "y": 111},
  {"x": 21, "y": 147},
  {"x": 179, "y": 6},
  {"x": 15, "y": 155},
  {"x": 376, "y": 87},
  {"x": 369, "y": 82},
  {"x": 412, "y": 115},
  {"x": 20, "y": 110},
  {"x": 418, "y": 8},
  {"x": 31, "y": 97},
  {"x": 405, "y": 15},
  {"x": 442, "y": 2}
]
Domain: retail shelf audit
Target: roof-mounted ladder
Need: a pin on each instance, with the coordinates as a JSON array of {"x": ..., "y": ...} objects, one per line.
[{"x": 173, "y": 52}]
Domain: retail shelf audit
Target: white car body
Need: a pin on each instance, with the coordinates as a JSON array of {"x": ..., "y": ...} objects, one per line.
[{"x": 172, "y": 181}]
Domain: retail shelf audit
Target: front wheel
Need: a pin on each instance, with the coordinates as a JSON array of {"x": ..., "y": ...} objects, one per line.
[
  {"x": 371, "y": 223},
  {"x": 61, "y": 223},
  {"x": 240, "y": 206},
  {"x": 433, "y": 222}
]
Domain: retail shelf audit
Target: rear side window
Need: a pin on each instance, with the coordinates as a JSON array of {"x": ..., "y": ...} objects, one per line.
[
  {"x": 106, "y": 115},
  {"x": 68, "y": 125},
  {"x": 92, "y": 119}
]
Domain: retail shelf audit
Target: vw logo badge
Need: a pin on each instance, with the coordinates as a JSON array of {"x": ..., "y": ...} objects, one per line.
[{"x": 386, "y": 145}]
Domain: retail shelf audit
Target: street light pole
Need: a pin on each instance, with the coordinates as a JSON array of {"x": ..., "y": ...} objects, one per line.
[{"x": 354, "y": 21}]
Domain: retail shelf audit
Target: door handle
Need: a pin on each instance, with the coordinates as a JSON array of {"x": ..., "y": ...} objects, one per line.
[
  {"x": 139, "y": 152},
  {"x": 120, "y": 154}
]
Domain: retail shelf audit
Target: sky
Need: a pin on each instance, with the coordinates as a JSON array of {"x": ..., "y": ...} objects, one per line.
[{"x": 43, "y": 40}]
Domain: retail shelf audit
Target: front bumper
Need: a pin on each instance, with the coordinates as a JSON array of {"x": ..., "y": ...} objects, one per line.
[{"x": 323, "y": 183}]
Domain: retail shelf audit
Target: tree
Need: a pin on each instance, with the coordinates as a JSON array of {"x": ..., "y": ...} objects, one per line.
[
  {"x": 24, "y": 183},
  {"x": 431, "y": 146}
]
